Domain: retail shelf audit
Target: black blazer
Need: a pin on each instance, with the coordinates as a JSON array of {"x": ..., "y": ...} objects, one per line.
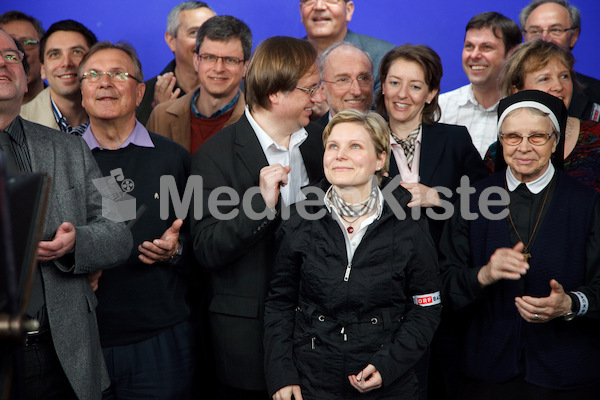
[
  {"x": 447, "y": 153},
  {"x": 239, "y": 252}
]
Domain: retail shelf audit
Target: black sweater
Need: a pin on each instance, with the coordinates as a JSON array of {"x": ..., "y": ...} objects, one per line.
[{"x": 137, "y": 301}]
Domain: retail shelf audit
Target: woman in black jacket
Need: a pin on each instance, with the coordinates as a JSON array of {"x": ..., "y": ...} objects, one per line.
[{"x": 354, "y": 297}]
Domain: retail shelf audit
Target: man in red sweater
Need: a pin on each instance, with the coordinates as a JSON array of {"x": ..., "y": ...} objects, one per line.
[{"x": 223, "y": 47}]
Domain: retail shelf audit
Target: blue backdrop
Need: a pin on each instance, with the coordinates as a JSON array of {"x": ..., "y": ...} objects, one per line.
[{"x": 436, "y": 23}]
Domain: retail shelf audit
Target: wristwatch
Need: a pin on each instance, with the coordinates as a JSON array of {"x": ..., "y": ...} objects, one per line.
[
  {"x": 570, "y": 316},
  {"x": 178, "y": 251}
]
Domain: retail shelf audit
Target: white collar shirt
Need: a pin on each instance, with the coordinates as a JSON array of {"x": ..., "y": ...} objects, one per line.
[
  {"x": 459, "y": 107},
  {"x": 292, "y": 157},
  {"x": 535, "y": 186}
]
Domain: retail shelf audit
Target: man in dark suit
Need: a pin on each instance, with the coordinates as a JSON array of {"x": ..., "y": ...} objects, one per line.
[
  {"x": 263, "y": 160},
  {"x": 63, "y": 358}
]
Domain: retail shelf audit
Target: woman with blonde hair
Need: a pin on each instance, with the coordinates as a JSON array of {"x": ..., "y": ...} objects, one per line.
[{"x": 354, "y": 293}]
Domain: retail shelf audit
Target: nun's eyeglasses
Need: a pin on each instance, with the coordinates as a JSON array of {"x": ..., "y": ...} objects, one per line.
[{"x": 536, "y": 139}]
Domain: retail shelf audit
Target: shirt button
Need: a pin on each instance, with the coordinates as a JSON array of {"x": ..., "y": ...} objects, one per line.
[{"x": 353, "y": 244}]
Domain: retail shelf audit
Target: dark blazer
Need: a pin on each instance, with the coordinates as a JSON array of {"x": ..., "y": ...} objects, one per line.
[
  {"x": 447, "y": 153},
  {"x": 239, "y": 252},
  {"x": 100, "y": 244}
]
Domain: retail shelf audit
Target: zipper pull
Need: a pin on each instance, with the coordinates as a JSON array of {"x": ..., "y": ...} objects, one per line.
[
  {"x": 312, "y": 343},
  {"x": 343, "y": 333},
  {"x": 347, "y": 274}
]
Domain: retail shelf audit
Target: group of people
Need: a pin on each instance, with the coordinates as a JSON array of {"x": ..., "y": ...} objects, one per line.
[{"x": 335, "y": 228}]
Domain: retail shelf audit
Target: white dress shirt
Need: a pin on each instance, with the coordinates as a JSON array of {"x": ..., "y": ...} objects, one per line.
[
  {"x": 459, "y": 107},
  {"x": 292, "y": 157}
]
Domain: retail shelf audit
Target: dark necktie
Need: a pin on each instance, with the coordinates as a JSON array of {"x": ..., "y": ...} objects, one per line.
[{"x": 6, "y": 148}]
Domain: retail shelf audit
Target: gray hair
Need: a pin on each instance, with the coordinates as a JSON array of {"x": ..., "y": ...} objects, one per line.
[
  {"x": 173, "y": 22},
  {"x": 124, "y": 47},
  {"x": 322, "y": 60},
  {"x": 574, "y": 14}
]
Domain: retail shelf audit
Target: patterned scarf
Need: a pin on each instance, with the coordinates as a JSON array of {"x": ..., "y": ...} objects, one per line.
[
  {"x": 358, "y": 209},
  {"x": 408, "y": 145}
]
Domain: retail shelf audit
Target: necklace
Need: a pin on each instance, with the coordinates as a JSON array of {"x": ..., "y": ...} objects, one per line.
[
  {"x": 526, "y": 254},
  {"x": 350, "y": 229}
]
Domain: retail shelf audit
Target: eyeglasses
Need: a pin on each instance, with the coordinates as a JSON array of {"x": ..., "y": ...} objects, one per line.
[
  {"x": 345, "y": 82},
  {"x": 536, "y": 31},
  {"x": 12, "y": 56},
  {"x": 29, "y": 44},
  {"x": 536, "y": 139},
  {"x": 228, "y": 61},
  {"x": 311, "y": 91},
  {"x": 95, "y": 76},
  {"x": 331, "y": 2}
]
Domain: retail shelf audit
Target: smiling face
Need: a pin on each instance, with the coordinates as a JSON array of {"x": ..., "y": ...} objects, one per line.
[
  {"x": 482, "y": 57},
  {"x": 111, "y": 99},
  {"x": 326, "y": 21},
  {"x": 217, "y": 79},
  {"x": 555, "y": 79},
  {"x": 405, "y": 94},
  {"x": 347, "y": 63},
  {"x": 185, "y": 43},
  {"x": 13, "y": 81},
  {"x": 350, "y": 159},
  {"x": 24, "y": 30},
  {"x": 63, "y": 53},
  {"x": 526, "y": 161}
]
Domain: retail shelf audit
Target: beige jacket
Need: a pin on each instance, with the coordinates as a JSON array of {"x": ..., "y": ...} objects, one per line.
[
  {"x": 39, "y": 110},
  {"x": 172, "y": 118}
]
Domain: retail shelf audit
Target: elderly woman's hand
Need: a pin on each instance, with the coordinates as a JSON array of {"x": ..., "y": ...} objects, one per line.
[
  {"x": 544, "y": 309},
  {"x": 288, "y": 392},
  {"x": 366, "y": 380},
  {"x": 422, "y": 196},
  {"x": 505, "y": 263}
]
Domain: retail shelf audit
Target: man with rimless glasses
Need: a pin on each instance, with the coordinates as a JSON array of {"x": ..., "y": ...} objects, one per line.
[
  {"x": 145, "y": 334},
  {"x": 326, "y": 22},
  {"x": 559, "y": 22},
  {"x": 347, "y": 75},
  {"x": 223, "y": 47},
  {"x": 29, "y": 31}
]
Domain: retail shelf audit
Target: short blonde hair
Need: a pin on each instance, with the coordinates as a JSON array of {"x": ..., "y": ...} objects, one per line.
[{"x": 374, "y": 124}]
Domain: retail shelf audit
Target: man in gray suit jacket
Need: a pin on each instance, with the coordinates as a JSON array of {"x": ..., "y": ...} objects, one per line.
[{"x": 63, "y": 359}]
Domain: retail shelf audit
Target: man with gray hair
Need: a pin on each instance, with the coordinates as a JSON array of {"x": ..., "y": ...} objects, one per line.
[
  {"x": 223, "y": 48},
  {"x": 29, "y": 31},
  {"x": 63, "y": 358},
  {"x": 559, "y": 22},
  {"x": 146, "y": 338},
  {"x": 347, "y": 75},
  {"x": 179, "y": 76}
]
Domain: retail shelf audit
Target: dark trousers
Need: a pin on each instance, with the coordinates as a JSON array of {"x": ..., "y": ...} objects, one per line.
[
  {"x": 43, "y": 375},
  {"x": 225, "y": 392},
  {"x": 518, "y": 389},
  {"x": 160, "y": 367}
]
